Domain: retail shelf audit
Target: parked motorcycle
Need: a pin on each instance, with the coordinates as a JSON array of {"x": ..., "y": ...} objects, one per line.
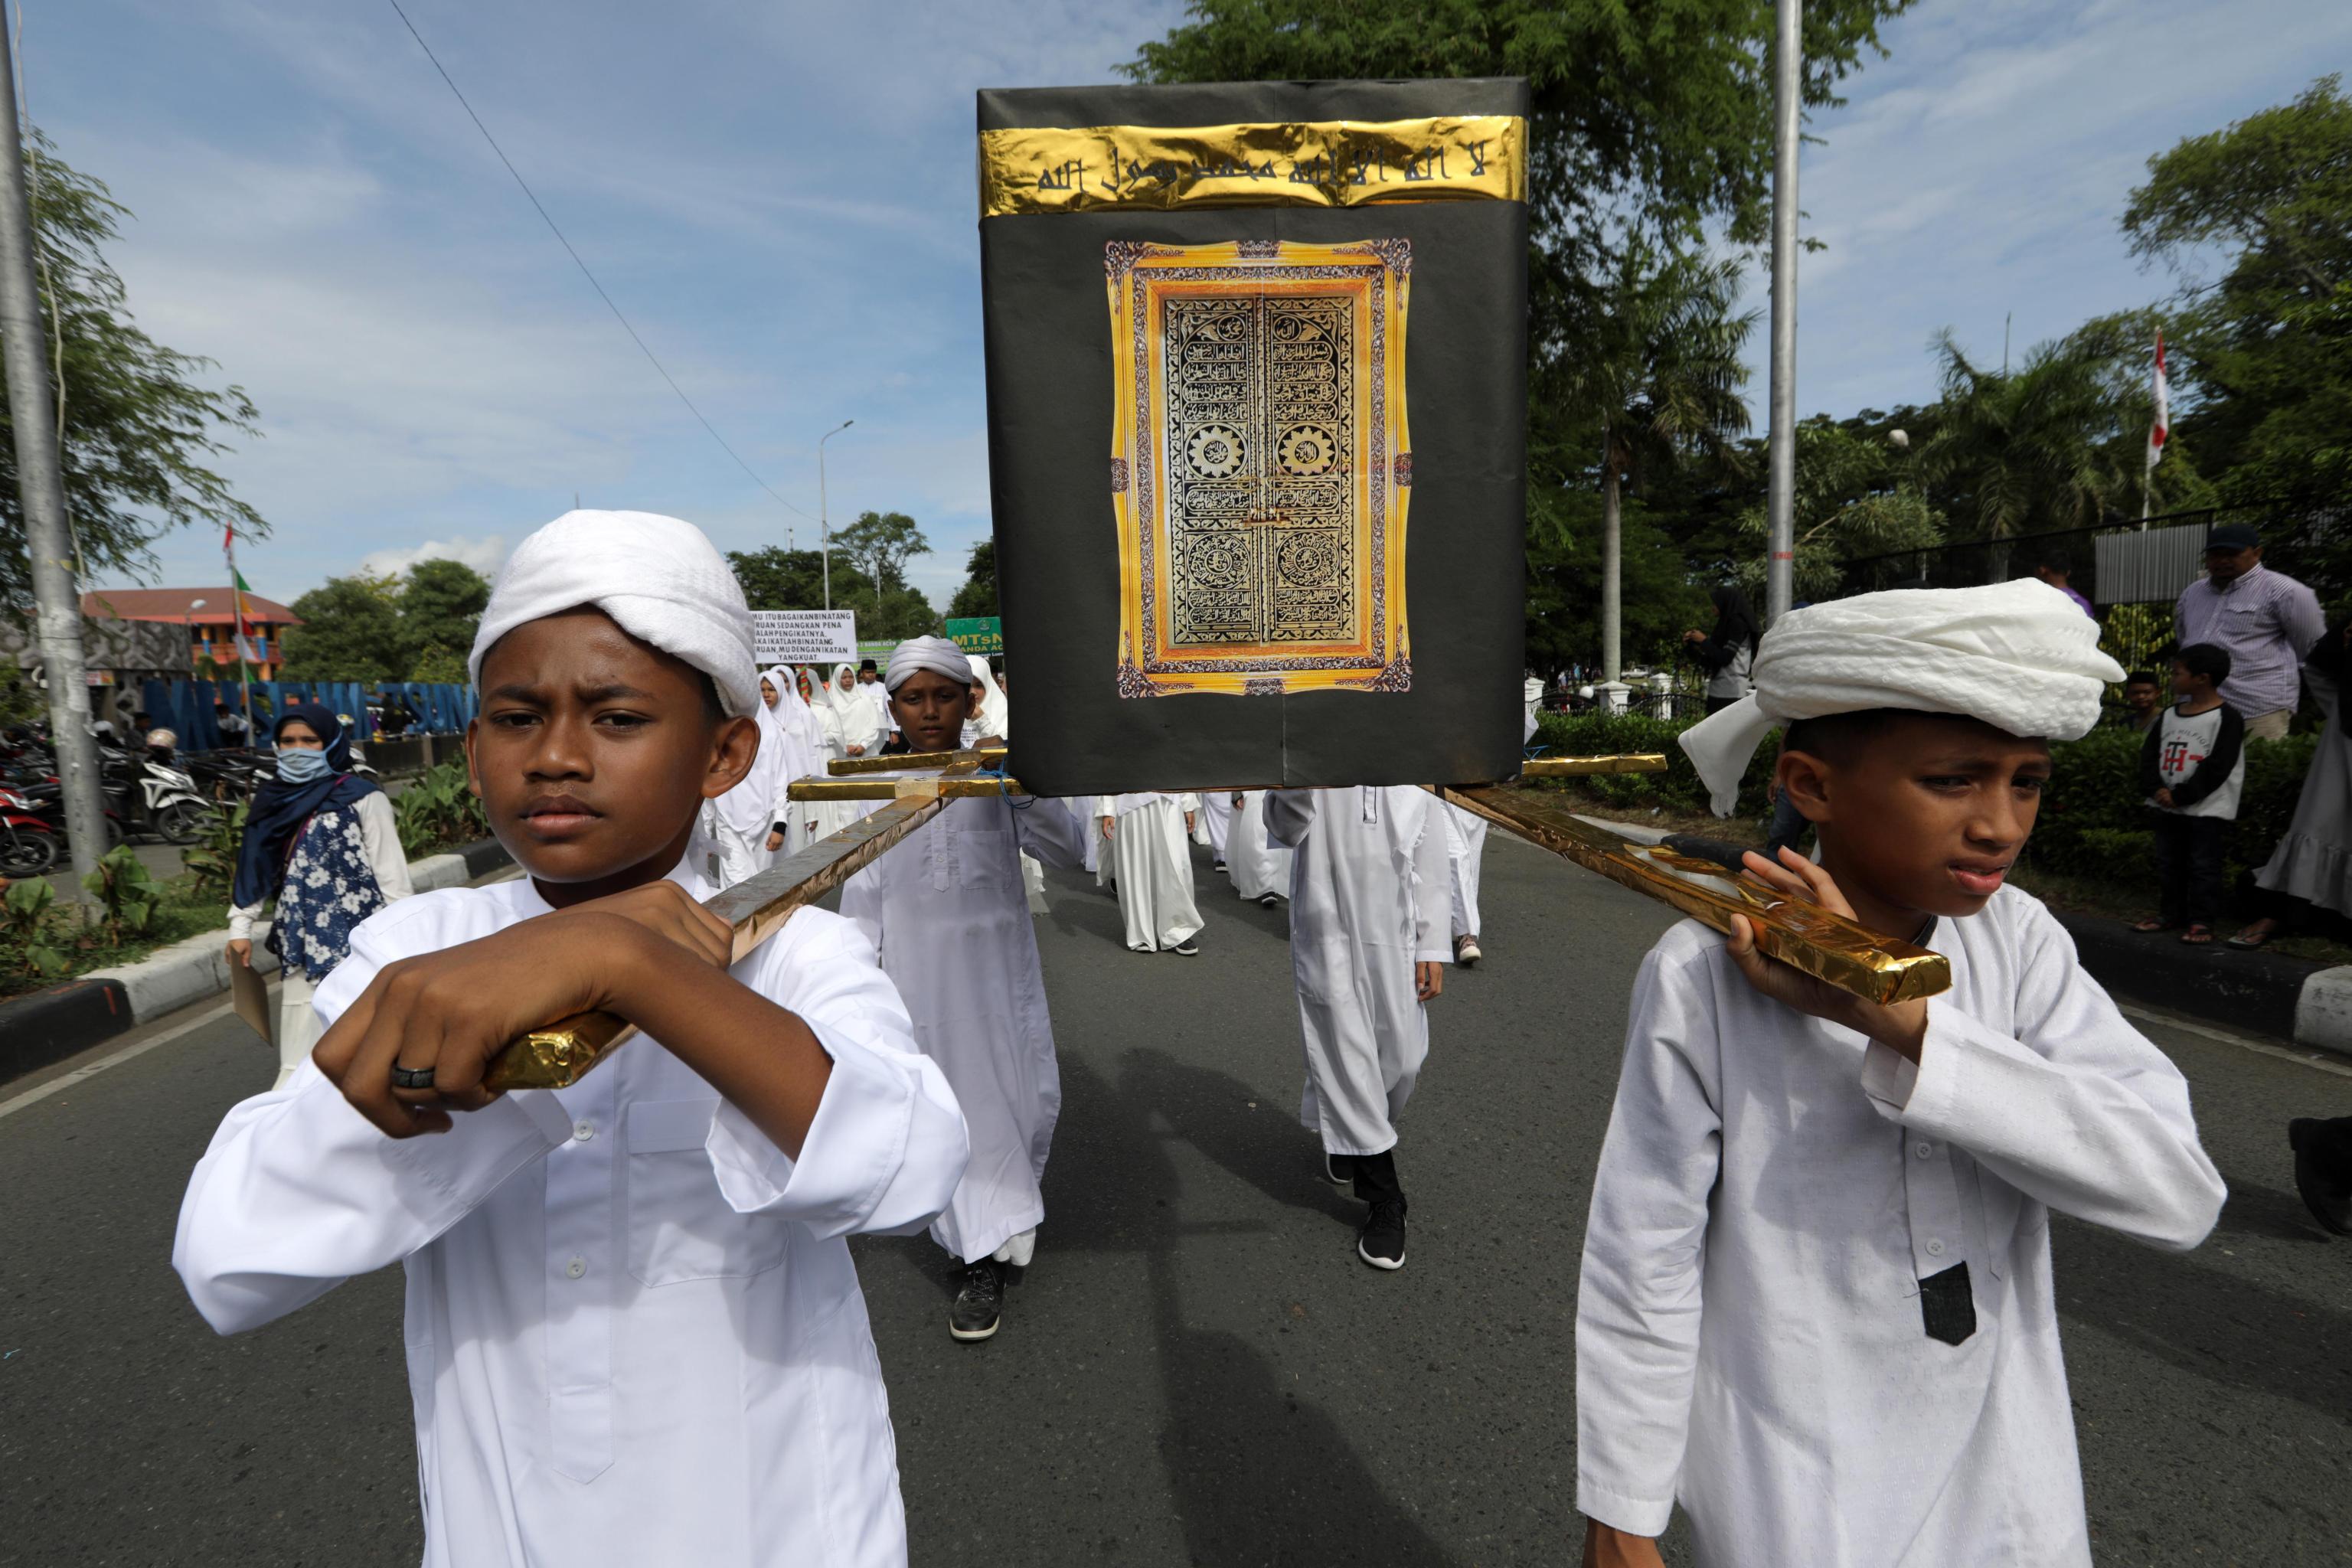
[
  {"x": 28, "y": 846},
  {"x": 159, "y": 796}
]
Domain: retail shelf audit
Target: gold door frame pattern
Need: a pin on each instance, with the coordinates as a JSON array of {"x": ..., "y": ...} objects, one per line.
[{"x": 1260, "y": 466}]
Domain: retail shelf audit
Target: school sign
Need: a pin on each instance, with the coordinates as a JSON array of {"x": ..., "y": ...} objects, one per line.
[{"x": 983, "y": 635}]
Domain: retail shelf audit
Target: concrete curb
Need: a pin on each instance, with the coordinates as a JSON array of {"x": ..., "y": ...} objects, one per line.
[
  {"x": 46, "y": 1026},
  {"x": 2293, "y": 999}
]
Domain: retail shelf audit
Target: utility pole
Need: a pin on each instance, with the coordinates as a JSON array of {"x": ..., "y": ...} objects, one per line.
[
  {"x": 1788, "y": 79},
  {"x": 40, "y": 490},
  {"x": 825, "y": 528}
]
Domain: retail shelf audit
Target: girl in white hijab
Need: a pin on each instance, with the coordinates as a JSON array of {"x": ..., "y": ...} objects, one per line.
[
  {"x": 782, "y": 709},
  {"x": 862, "y": 726},
  {"x": 994, "y": 717}
]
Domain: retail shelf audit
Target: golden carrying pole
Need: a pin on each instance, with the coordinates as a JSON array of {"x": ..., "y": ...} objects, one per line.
[
  {"x": 879, "y": 763},
  {"x": 561, "y": 1054},
  {"x": 1800, "y": 934},
  {"x": 1585, "y": 767}
]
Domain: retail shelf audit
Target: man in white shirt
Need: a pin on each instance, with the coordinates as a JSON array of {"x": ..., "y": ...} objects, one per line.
[
  {"x": 634, "y": 1332},
  {"x": 1816, "y": 1307}
]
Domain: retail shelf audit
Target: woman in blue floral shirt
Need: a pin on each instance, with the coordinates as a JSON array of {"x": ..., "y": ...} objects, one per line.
[{"x": 323, "y": 841}]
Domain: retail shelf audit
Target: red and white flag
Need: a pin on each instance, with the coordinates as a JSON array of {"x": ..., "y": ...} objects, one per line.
[{"x": 2163, "y": 424}]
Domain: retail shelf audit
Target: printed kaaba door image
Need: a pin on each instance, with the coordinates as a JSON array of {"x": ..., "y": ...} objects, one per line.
[{"x": 1260, "y": 466}]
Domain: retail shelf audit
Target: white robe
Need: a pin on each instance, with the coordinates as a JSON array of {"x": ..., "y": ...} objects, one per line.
[
  {"x": 1153, "y": 866},
  {"x": 1771, "y": 1191},
  {"x": 1465, "y": 848},
  {"x": 1257, "y": 865},
  {"x": 2313, "y": 860},
  {"x": 1217, "y": 817},
  {"x": 1367, "y": 903},
  {"x": 945, "y": 907},
  {"x": 633, "y": 1332}
]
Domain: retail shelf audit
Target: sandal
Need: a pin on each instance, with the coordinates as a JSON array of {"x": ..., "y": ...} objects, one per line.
[
  {"x": 2154, "y": 923},
  {"x": 2197, "y": 935},
  {"x": 2244, "y": 942}
]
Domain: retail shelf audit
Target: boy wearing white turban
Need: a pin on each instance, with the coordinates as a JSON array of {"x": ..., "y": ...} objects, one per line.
[
  {"x": 1816, "y": 1306},
  {"x": 947, "y": 910},
  {"x": 635, "y": 1334}
]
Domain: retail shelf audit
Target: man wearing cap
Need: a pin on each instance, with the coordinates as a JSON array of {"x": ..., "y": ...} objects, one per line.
[{"x": 2266, "y": 621}]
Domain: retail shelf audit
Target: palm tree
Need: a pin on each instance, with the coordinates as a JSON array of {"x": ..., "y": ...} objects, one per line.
[
  {"x": 2024, "y": 451},
  {"x": 1648, "y": 368}
]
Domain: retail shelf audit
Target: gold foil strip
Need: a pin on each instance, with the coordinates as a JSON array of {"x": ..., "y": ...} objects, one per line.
[
  {"x": 1313, "y": 163},
  {"x": 1800, "y": 934},
  {"x": 902, "y": 761},
  {"x": 561, "y": 1054},
  {"x": 887, "y": 787},
  {"x": 1580, "y": 767}
]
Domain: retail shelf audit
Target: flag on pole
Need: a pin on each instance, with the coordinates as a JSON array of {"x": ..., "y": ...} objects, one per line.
[{"x": 2163, "y": 423}]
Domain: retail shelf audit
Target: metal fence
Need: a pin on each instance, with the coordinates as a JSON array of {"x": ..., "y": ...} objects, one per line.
[{"x": 185, "y": 706}]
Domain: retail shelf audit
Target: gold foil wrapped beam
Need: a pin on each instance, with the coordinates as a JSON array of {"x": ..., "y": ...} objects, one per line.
[
  {"x": 1802, "y": 935},
  {"x": 561, "y": 1054},
  {"x": 885, "y": 786},
  {"x": 1313, "y": 163},
  {"x": 902, "y": 761},
  {"x": 1581, "y": 767}
]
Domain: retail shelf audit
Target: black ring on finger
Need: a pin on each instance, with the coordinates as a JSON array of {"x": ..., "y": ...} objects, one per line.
[{"x": 411, "y": 1077}]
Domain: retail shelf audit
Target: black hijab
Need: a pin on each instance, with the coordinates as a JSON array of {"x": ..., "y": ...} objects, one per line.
[{"x": 279, "y": 809}]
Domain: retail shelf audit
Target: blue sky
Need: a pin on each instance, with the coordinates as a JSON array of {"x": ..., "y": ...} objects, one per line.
[{"x": 782, "y": 199}]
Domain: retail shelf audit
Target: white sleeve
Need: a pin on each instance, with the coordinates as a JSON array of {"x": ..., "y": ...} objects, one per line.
[
  {"x": 298, "y": 1192},
  {"x": 2080, "y": 1112},
  {"x": 888, "y": 1144},
  {"x": 1289, "y": 813},
  {"x": 1051, "y": 834},
  {"x": 380, "y": 837},
  {"x": 1638, "y": 1294},
  {"x": 1433, "y": 889},
  {"x": 243, "y": 918}
]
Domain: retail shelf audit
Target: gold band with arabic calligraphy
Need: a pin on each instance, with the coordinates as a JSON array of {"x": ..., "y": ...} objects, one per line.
[{"x": 1319, "y": 163}]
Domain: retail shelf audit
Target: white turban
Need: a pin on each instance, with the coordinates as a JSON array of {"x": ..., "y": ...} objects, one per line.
[
  {"x": 659, "y": 579},
  {"x": 2021, "y": 656},
  {"x": 936, "y": 655}
]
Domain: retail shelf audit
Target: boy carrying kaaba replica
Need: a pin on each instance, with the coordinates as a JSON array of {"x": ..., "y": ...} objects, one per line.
[
  {"x": 635, "y": 1334},
  {"x": 1816, "y": 1306},
  {"x": 947, "y": 910}
]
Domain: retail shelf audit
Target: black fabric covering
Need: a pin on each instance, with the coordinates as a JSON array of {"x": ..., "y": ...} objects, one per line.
[
  {"x": 1948, "y": 1305},
  {"x": 1050, "y": 418}
]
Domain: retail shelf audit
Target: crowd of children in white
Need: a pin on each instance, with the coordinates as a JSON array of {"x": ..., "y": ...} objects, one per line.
[{"x": 1815, "y": 1308}]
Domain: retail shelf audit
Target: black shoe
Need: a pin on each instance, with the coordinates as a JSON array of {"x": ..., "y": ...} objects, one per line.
[
  {"x": 1339, "y": 1169},
  {"x": 980, "y": 1305},
  {"x": 1216, "y": 864},
  {"x": 2325, "y": 1184},
  {"x": 1382, "y": 1241},
  {"x": 1188, "y": 948},
  {"x": 1268, "y": 900}
]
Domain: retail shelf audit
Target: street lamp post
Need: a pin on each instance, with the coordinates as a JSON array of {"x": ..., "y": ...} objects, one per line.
[
  {"x": 188, "y": 624},
  {"x": 825, "y": 528},
  {"x": 1780, "y": 449}
]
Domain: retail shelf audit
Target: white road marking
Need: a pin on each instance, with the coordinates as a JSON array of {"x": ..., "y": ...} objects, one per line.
[
  {"x": 2319, "y": 1061},
  {"x": 82, "y": 1074}
]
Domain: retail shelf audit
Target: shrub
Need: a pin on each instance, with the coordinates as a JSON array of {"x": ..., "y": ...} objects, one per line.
[
  {"x": 24, "y": 916},
  {"x": 125, "y": 891},
  {"x": 438, "y": 811}
]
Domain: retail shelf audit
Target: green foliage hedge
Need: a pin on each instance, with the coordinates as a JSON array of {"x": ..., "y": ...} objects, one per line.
[{"x": 2093, "y": 822}]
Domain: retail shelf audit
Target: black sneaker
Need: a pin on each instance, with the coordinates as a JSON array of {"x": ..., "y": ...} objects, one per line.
[
  {"x": 1216, "y": 864},
  {"x": 1339, "y": 1169},
  {"x": 1188, "y": 948},
  {"x": 980, "y": 1305},
  {"x": 1382, "y": 1241},
  {"x": 1268, "y": 900},
  {"x": 2325, "y": 1184}
]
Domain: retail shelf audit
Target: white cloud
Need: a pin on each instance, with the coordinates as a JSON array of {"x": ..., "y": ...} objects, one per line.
[{"x": 483, "y": 555}]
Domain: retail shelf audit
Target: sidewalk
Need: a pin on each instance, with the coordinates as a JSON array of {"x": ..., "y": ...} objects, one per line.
[{"x": 46, "y": 1027}]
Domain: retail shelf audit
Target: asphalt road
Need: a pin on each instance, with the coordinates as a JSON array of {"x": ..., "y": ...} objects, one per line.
[{"x": 1196, "y": 1370}]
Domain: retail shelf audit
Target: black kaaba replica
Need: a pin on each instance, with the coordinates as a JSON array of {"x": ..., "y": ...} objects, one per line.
[{"x": 1256, "y": 406}]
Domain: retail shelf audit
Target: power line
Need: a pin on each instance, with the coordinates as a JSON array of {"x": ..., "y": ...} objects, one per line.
[{"x": 568, "y": 250}]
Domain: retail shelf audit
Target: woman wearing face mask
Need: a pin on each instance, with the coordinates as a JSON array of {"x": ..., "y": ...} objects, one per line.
[{"x": 324, "y": 844}]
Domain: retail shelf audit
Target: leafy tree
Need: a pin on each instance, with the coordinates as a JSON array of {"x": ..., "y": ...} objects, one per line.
[
  {"x": 977, "y": 597},
  {"x": 350, "y": 630},
  {"x": 776, "y": 579},
  {"x": 441, "y": 606},
  {"x": 1655, "y": 120},
  {"x": 1855, "y": 497},
  {"x": 136, "y": 429},
  {"x": 1564, "y": 611},
  {"x": 881, "y": 543},
  {"x": 2032, "y": 450},
  {"x": 440, "y": 665},
  {"x": 1650, "y": 373},
  {"x": 2262, "y": 352}
]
